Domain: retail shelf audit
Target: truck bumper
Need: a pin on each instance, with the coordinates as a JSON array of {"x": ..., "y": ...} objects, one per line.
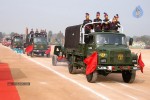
[
  {"x": 117, "y": 68},
  {"x": 39, "y": 51}
]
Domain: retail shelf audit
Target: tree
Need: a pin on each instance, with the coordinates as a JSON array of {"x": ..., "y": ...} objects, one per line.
[
  {"x": 49, "y": 35},
  {"x": 12, "y": 33},
  {"x": 1, "y": 36},
  {"x": 60, "y": 37}
]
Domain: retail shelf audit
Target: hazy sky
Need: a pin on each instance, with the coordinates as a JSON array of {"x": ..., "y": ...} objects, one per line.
[{"x": 56, "y": 15}]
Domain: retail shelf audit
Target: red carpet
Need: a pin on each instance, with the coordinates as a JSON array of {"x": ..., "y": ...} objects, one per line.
[{"x": 7, "y": 91}]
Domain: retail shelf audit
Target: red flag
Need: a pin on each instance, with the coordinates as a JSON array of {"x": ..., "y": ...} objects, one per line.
[
  {"x": 91, "y": 62},
  {"x": 29, "y": 48},
  {"x": 48, "y": 50},
  {"x": 140, "y": 63}
]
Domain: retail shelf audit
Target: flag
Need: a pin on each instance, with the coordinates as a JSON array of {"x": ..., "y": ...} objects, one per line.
[
  {"x": 29, "y": 48},
  {"x": 48, "y": 50},
  {"x": 60, "y": 58},
  {"x": 91, "y": 63},
  {"x": 140, "y": 63}
]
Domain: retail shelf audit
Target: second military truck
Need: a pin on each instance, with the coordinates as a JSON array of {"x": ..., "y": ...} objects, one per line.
[{"x": 39, "y": 43}]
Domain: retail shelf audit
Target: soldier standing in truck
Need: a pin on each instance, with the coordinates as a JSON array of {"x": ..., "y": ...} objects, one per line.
[
  {"x": 106, "y": 23},
  {"x": 113, "y": 24},
  {"x": 98, "y": 27},
  {"x": 87, "y": 20},
  {"x": 117, "y": 21}
]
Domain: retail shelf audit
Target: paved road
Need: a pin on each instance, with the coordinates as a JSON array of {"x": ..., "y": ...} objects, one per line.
[{"x": 49, "y": 82}]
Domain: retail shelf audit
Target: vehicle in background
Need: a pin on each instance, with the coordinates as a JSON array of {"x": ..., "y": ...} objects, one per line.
[{"x": 38, "y": 43}]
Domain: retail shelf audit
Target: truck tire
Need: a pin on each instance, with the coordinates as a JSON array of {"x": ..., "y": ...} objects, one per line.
[
  {"x": 71, "y": 68},
  {"x": 92, "y": 77},
  {"x": 54, "y": 60},
  {"x": 42, "y": 54},
  {"x": 48, "y": 55},
  {"x": 128, "y": 76},
  {"x": 32, "y": 54},
  {"x": 23, "y": 51},
  {"x": 28, "y": 54}
]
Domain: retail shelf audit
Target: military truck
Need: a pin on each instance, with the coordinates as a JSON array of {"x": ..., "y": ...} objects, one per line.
[
  {"x": 17, "y": 41},
  {"x": 114, "y": 55},
  {"x": 39, "y": 43},
  {"x": 6, "y": 41}
]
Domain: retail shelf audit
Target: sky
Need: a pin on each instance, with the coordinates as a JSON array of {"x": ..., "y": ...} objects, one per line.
[{"x": 56, "y": 15}]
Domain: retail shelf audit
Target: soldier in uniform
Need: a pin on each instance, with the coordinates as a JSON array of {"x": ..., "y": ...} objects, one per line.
[
  {"x": 117, "y": 21},
  {"x": 36, "y": 32},
  {"x": 113, "y": 24},
  {"x": 98, "y": 27},
  {"x": 31, "y": 35},
  {"x": 31, "y": 32},
  {"x": 87, "y": 27},
  {"x": 106, "y": 23}
]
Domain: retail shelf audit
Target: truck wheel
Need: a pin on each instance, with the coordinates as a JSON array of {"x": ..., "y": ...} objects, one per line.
[
  {"x": 71, "y": 68},
  {"x": 23, "y": 50},
  {"x": 28, "y": 54},
  {"x": 54, "y": 60},
  {"x": 128, "y": 76},
  {"x": 92, "y": 77},
  {"x": 32, "y": 54},
  {"x": 42, "y": 54},
  {"x": 48, "y": 55}
]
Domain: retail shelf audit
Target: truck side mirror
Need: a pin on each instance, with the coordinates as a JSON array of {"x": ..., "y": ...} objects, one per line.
[{"x": 130, "y": 41}]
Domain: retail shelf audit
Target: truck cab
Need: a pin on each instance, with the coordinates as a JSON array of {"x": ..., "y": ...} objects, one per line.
[{"x": 17, "y": 42}]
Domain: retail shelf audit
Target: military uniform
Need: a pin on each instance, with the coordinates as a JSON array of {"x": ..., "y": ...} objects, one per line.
[
  {"x": 98, "y": 26},
  {"x": 106, "y": 25},
  {"x": 87, "y": 27},
  {"x": 117, "y": 25},
  {"x": 31, "y": 32},
  {"x": 113, "y": 26},
  {"x": 117, "y": 22}
]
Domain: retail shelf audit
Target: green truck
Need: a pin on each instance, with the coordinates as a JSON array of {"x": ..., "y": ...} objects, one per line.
[
  {"x": 114, "y": 55},
  {"x": 17, "y": 41},
  {"x": 39, "y": 43}
]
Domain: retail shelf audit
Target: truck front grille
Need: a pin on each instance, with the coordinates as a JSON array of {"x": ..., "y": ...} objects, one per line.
[{"x": 119, "y": 57}]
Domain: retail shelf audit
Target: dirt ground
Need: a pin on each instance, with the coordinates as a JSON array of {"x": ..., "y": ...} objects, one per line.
[{"x": 49, "y": 82}]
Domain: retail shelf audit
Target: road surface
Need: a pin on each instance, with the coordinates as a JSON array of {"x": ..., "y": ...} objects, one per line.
[{"x": 49, "y": 82}]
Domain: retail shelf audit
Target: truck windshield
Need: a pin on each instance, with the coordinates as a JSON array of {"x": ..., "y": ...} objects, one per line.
[
  {"x": 17, "y": 39},
  {"x": 40, "y": 40},
  {"x": 113, "y": 39}
]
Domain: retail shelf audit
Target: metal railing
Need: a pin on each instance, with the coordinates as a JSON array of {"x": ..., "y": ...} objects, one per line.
[{"x": 82, "y": 30}]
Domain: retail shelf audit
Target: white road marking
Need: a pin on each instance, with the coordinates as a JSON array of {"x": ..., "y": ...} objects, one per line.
[
  {"x": 131, "y": 87},
  {"x": 123, "y": 84},
  {"x": 117, "y": 91},
  {"x": 132, "y": 97},
  {"x": 69, "y": 79},
  {"x": 43, "y": 83}
]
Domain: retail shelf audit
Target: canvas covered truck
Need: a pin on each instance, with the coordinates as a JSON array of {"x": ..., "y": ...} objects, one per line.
[
  {"x": 97, "y": 53},
  {"x": 37, "y": 43}
]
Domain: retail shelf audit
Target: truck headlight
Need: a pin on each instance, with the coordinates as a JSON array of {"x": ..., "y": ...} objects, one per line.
[
  {"x": 103, "y": 60},
  {"x": 102, "y": 55},
  {"x": 134, "y": 61}
]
